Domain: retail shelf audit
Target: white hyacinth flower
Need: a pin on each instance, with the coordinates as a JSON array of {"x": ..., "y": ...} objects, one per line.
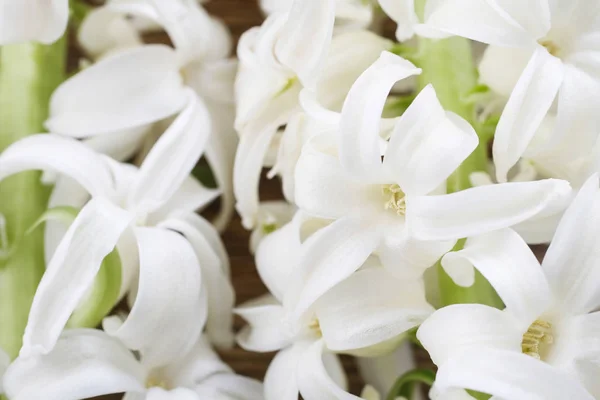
[
  {"x": 42, "y": 21},
  {"x": 88, "y": 363},
  {"x": 395, "y": 207},
  {"x": 557, "y": 38},
  {"x": 544, "y": 344},
  {"x": 133, "y": 208},
  {"x": 366, "y": 314}
]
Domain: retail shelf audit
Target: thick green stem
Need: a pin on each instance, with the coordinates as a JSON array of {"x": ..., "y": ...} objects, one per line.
[
  {"x": 28, "y": 74},
  {"x": 448, "y": 65}
]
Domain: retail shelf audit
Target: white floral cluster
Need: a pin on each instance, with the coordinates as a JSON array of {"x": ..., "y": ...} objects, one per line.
[{"x": 396, "y": 227}]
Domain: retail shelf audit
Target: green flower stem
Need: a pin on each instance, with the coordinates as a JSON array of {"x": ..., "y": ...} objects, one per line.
[
  {"x": 448, "y": 65},
  {"x": 28, "y": 75},
  {"x": 405, "y": 384}
]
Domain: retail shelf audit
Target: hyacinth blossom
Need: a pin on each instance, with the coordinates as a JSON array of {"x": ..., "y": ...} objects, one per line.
[{"x": 411, "y": 170}]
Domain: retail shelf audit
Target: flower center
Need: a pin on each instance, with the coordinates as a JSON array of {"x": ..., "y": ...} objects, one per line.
[
  {"x": 315, "y": 327},
  {"x": 537, "y": 336},
  {"x": 155, "y": 380},
  {"x": 395, "y": 199},
  {"x": 550, "y": 46}
]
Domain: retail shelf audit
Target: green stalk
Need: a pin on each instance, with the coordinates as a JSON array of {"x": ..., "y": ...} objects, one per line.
[
  {"x": 29, "y": 73},
  {"x": 448, "y": 65}
]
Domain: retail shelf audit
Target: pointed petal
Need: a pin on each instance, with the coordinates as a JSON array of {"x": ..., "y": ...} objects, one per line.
[
  {"x": 172, "y": 158},
  {"x": 424, "y": 133},
  {"x": 126, "y": 90},
  {"x": 456, "y": 328},
  {"x": 61, "y": 155},
  {"x": 84, "y": 363},
  {"x": 403, "y": 13},
  {"x": 305, "y": 38},
  {"x": 266, "y": 330},
  {"x": 329, "y": 256},
  {"x": 280, "y": 380},
  {"x": 324, "y": 189},
  {"x": 221, "y": 296},
  {"x": 169, "y": 310},
  {"x": 470, "y": 212},
  {"x": 277, "y": 257},
  {"x": 508, "y": 375},
  {"x": 484, "y": 21},
  {"x": 529, "y": 103},
  {"x": 361, "y": 115},
  {"x": 369, "y": 308},
  {"x": 33, "y": 20},
  {"x": 571, "y": 263},
  {"x": 506, "y": 261},
  {"x": 314, "y": 380},
  {"x": 91, "y": 237}
]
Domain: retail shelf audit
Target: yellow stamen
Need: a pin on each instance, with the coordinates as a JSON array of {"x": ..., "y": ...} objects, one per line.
[
  {"x": 395, "y": 197},
  {"x": 550, "y": 46},
  {"x": 156, "y": 381},
  {"x": 315, "y": 327},
  {"x": 540, "y": 332}
]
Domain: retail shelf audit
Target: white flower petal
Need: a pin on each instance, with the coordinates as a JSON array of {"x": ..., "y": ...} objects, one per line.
[
  {"x": 382, "y": 372},
  {"x": 470, "y": 212},
  {"x": 571, "y": 263},
  {"x": 456, "y": 328},
  {"x": 172, "y": 158},
  {"x": 323, "y": 189},
  {"x": 278, "y": 255},
  {"x": 508, "y": 375},
  {"x": 84, "y": 363},
  {"x": 127, "y": 90},
  {"x": 280, "y": 380},
  {"x": 361, "y": 115},
  {"x": 91, "y": 237},
  {"x": 169, "y": 311},
  {"x": 305, "y": 38},
  {"x": 61, "y": 155},
  {"x": 369, "y": 308},
  {"x": 483, "y": 21},
  {"x": 529, "y": 103},
  {"x": 33, "y": 20},
  {"x": 157, "y": 393},
  {"x": 231, "y": 386},
  {"x": 265, "y": 331},
  {"x": 103, "y": 31},
  {"x": 501, "y": 67},
  {"x": 506, "y": 261},
  {"x": 314, "y": 380},
  {"x": 121, "y": 145},
  {"x": 538, "y": 230},
  {"x": 424, "y": 133},
  {"x": 221, "y": 296},
  {"x": 328, "y": 257},
  {"x": 403, "y": 13}
]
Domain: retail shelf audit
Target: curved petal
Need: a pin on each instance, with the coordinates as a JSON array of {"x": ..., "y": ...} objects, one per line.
[
  {"x": 538, "y": 230},
  {"x": 273, "y": 215},
  {"x": 314, "y": 380},
  {"x": 121, "y": 145},
  {"x": 280, "y": 381},
  {"x": 485, "y": 21},
  {"x": 127, "y": 90},
  {"x": 221, "y": 296},
  {"x": 470, "y": 212},
  {"x": 506, "y": 261},
  {"x": 33, "y": 20},
  {"x": 305, "y": 38},
  {"x": 424, "y": 133},
  {"x": 324, "y": 189},
  {"x": 361, "y": 115},
  {"x": 403, "y": 13},
  {"x": 104, "y": 30},
  {"x": 571, "y": 263},
  {"x": 456, "y": 328},
  {"x": 71, "y": 272},
  {"x": 172, "y": 158},
  {"x": 501, "y": 67},
  {"x": 84, "y": 363},
  {"x": 382, "y": 372},
  {"x": 231, "y": 386},
  {"x": 61, "y": 155},
  {"x": 169, "y": 310},
  {"x": 266, "y": 325},
  {"x": 328, "y": 257},
  {"x": 529, "y": 103},
  {"x": 508, "y": 375},
  {"x": 369, "y": 308},
  {"x": 278, "y": 255}
]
